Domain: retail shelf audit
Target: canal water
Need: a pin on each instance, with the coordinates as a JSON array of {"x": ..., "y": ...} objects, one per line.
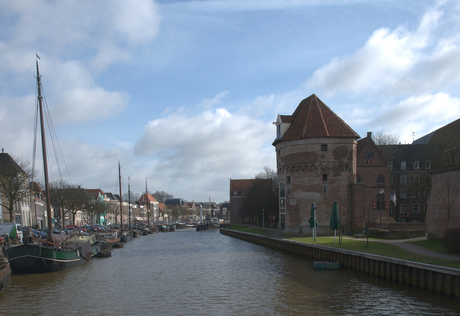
[{"x": 207, "y": 273}]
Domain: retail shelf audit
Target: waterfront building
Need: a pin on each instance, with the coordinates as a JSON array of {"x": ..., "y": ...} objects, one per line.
[
  {"x": 316, "y": 163},
  {"x": 14, "y": 185}
]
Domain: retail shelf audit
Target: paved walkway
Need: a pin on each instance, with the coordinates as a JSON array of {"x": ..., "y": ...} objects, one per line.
[{"x": 404, "y": 244}]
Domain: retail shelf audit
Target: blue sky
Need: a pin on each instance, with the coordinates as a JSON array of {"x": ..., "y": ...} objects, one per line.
[{"x": 184, "y": 93}]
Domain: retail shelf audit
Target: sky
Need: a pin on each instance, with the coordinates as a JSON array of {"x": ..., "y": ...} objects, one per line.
[{"x": 183, "y": 94}]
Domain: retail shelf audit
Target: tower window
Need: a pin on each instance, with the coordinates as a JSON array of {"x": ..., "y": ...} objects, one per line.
[
  {"x": 324, "y": 177},
  {"x": 323, "y": 147}
]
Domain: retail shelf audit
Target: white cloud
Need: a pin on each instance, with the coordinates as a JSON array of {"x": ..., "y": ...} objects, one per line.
[
  {"x": 214, "y": 101},
  {"x": 214, "y": 145},
  {"x": 418, "y": 114},
  {"x": 399, "y": 62}
]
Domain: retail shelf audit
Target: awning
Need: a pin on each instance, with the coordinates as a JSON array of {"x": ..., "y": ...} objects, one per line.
[{"x": 138, "y": 218}]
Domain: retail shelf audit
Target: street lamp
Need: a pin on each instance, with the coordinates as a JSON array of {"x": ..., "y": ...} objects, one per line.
[
  {"x": 382, "y": 201},
  {"x": 263, "y": 220}
]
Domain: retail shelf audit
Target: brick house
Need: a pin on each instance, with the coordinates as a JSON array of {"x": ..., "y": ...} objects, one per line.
[
  {"x": 238, "y": 190},
  {"x": 14, "y": 182},
  {"x": 371, "y": 193},
  {"x": 410, "y": 181}
]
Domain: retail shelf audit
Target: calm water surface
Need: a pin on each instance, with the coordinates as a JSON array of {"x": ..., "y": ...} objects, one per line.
[{"x": 206, "y": 273}]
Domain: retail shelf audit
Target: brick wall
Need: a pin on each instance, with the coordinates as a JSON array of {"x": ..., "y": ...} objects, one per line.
[{"x": 444, "y": 203}]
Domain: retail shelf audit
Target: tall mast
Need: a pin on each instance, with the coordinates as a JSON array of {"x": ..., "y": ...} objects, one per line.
[
  {"x": 129, "y": 204},
  {"x": 45, "y": 160},
  {"x": 121, "y": 201},
  {"x": 148, "y": 203}
]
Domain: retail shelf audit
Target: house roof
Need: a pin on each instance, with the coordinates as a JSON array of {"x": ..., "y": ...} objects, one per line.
[
  {"x": 314, "y": 119},
  {"x": 7, "y": 163},
  {"x": 450, "y": 130},
  {"x": 147, "y": 197},
  {"x": 175, "y": 201}
]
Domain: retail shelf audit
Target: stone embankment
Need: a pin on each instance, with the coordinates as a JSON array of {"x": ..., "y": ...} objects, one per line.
[{"x": 430, "y": 277}]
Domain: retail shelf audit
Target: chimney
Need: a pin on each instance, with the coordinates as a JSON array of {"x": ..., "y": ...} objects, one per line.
[
  {"x": 3, "y": 151},
  {"x": 369, "y": 134}
]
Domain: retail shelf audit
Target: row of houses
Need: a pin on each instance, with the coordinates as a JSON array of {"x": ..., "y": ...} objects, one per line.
[
  {"x": 93, "y": 206},
  {"x": 321, "y": 159}
]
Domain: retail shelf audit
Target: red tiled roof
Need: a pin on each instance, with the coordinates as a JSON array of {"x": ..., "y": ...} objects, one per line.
[
  {"x": 314, "y": 119},
  {"x": 147, "y": 197}
]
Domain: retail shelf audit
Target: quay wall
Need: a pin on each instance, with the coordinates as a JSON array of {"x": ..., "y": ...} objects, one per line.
[{"x": 433, "y": 278}]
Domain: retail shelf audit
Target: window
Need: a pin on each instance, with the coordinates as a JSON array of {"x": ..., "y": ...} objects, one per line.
[
  {"x": 369, "y": 158},
  {"x": 391, "y": 180},
  {"x": 282, "y": 192},
  {"x": 278, "y": 130},
  {"x": 288, "y": 179},
  {"x": 416, "y": 164},
  {"x": 403, "y": 165},
  {"x": 416, "y": 179},
  {"x": 426, "y": 207},
  {"x": 426, "y": 194},
  {"x": 415, "y": 208},
  {"x": 390, "y": 164},
  {"x": 402, "y": 208},
  {"x": 242, "y": 193},
  {"x": 324, "y": 177},
  {"x": 323, "y": 147},
  {"x": 428, "y": 164},
  {"x": 325, "y": 189},
  {"x": 402, "y": 194},
  {"x": 380, "y": 201},
  {"x": 416, "y": 194},
  {"x": 380, "y": 180},
  {"x": 402, "y": 179},
  {"x": 358, "y": 178},
  {"x": 235, "y": 193},
  {"x": 289, "y": 191}
]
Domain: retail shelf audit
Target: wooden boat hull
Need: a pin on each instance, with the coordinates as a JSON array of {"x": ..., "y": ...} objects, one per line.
[
  {"x": 5, "y": 273},
  {"x": 34, "y": 258}
]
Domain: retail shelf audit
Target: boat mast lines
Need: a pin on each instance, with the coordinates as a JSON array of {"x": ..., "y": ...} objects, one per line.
[{"x": 59, "y": 171}]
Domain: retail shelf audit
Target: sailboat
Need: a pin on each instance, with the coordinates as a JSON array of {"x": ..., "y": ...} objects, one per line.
[{"x": 50, "y": 255}]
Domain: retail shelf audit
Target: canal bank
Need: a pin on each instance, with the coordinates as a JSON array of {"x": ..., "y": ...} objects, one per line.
[{"x": 438, "y": 279}]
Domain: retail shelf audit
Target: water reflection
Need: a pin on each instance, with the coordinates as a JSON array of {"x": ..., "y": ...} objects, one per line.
[{"x": 188, "y": 273}]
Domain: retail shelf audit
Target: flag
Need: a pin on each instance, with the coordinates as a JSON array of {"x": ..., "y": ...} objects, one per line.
[{"x": 394, "y": 197}]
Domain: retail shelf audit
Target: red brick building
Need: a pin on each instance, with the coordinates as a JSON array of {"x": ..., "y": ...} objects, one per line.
[{"x": 320, "y": 160}]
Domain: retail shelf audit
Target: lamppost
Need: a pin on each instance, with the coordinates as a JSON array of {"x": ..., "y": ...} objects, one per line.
[
  {"x": 382, "y": 202},
  {"x": 263, "y": 220}
]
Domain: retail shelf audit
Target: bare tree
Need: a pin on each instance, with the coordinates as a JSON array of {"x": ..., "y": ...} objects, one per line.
[
  {"x": 80, "y": 200},
  {"x": 385, "y": 141},
  {"x": 383, "y": 137},
  {"x": 14, "y": 181},
  {"x": 131, "y": 196},
  {"x": 61, "y": 195},
  {"x": 162, "y": 196}
]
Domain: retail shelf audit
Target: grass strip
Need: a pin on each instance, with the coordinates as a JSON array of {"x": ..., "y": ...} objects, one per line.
[
  {"x": 253, "y": 230},
  {"x": 381, "y": 249}
]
